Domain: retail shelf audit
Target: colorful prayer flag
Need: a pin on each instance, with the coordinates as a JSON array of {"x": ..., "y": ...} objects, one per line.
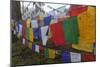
[
  {"x": 75, "y": 10},
  {"x": 47, "y": 20},
  {"x": 75, "y": 57},
  {"x": 66, "y": 58},
  {"x": 51, "y": 53},
  {"x": 87, "y": 23},
  {"x": 57, "y": 34}
]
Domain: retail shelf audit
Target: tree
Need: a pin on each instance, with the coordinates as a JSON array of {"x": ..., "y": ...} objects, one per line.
[{"x": 15, "y": 10}]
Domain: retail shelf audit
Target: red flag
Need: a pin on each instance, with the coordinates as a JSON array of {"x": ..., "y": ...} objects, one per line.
[
  {"x": 76, "y": 9},
  {"x": 57, "y": 34},
  {"x": 23, "y": 29},
  {"x": 88, "y": 57}
]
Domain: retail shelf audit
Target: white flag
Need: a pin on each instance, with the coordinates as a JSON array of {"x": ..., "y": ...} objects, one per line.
[{"x": 75, "y": 57}]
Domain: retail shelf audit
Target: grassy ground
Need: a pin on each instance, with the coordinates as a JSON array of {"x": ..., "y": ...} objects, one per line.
[
  {"x": 25, "y": 56},
  {"x": 20, "y": 55}
]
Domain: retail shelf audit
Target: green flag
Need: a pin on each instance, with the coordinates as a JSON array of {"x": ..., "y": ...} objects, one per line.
[
  {"x": 27, "y": 33},
  {"x": 46, "y": 52},
  {"x": 70, "y": 28},
  {"x": 66, "y": 25},
  {"x": 75, "y": 32}
]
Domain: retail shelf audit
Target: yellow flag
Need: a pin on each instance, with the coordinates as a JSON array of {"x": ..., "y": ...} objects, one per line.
[
  {"x": 30, "y": 45},
  {"x": 28, "y": 22},
  {"x": 31, "y": 35},
  {"x": 51, "y": 53},
  {"x": 83, "y": 46},
  {"x": 41, "y": 17},
  {"x": 87, "y": 23}
]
